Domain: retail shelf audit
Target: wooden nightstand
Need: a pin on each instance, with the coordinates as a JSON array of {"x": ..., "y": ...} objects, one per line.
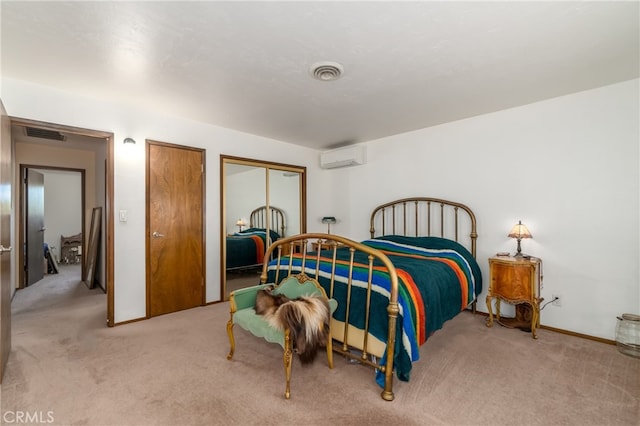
[
  {"x": 516, "y": 280},
  {"x": 324, "y": 245},
  {"x": 298, "y": 247}
]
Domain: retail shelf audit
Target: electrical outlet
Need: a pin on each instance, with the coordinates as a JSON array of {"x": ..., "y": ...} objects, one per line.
[{"x": 557, "y": 300}]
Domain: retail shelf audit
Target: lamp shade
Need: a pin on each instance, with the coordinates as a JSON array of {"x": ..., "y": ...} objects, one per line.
[
  {"x": 328, "y": 219},
  {"x": 240, "y": 222},
  {"x": 520, "y": 231}
]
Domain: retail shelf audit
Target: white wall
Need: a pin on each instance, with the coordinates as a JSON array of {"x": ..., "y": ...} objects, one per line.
[
  {"x": 27, "y": 100},
  {"x": 246, "y": 191},
  {"x": 567, "y": 167},
  {"x": 62, "y": 206},
  {"x": 281, "y": 188}
]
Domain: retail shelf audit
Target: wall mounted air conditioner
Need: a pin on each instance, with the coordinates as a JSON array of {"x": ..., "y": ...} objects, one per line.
[{"x": 343, "y": 157}]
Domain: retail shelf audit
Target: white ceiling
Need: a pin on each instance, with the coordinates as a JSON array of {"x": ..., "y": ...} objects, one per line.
[{"x": 244, "y": 65}]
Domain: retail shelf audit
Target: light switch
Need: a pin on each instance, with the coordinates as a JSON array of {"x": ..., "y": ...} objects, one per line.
[{"x": 123, "y": 215}]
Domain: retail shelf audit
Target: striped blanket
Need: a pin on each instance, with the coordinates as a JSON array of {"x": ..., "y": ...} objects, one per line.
[
  {"x": 437, "y": 277},
  {"x": 247, "y": 248}
]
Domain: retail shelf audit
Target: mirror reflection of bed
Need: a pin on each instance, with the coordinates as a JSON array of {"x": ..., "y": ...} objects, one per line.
[
  {"x": 261, "y": 202},
  {"x": 246, "y": 248}
]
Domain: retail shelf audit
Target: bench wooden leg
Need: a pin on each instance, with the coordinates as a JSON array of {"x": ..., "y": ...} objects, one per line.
[
  {"x": 232, "y": 341},
  {"x": 288, "y": 359}
]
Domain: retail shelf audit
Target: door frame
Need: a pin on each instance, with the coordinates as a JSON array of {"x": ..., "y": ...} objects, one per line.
[
  {"x": 109, "y": 183},
  {"x": 22, "y": 238},
  {"x": 7, "y": 255}
]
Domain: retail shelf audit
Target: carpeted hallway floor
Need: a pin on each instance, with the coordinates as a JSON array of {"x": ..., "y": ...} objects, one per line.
[{"x": 67, "y": 368}]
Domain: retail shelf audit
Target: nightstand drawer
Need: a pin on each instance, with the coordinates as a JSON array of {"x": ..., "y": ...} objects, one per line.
[{"x": 512, "y": 281}]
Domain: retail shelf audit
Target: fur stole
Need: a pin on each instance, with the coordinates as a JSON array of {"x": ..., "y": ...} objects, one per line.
[{"x": 307, "y": 317}]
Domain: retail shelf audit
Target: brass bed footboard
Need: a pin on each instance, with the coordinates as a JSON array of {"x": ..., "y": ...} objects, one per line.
[{"x": 309, "y": 250}]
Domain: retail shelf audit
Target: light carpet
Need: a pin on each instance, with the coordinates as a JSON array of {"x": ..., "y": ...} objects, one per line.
[{"x": 68, "y": 368}]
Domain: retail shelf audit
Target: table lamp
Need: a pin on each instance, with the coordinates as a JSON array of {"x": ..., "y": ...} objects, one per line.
[
  {"x": 329, "y": 220},
  {"x": 519, "y": 231}
]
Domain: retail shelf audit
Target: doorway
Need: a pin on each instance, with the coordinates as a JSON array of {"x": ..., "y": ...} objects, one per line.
[
  {"x": 52, "y": 203},
  {"x": 44, "y": 145}
]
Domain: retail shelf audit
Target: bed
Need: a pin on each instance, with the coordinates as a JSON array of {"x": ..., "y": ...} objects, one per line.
[
  {"x": 246, "y": 249},
  {"x": 394, "y": 290}
]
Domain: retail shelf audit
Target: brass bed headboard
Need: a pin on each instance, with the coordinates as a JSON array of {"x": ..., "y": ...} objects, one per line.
[
  {"x": 424, "y": 216},
  {"x": 258, "y": 219}
]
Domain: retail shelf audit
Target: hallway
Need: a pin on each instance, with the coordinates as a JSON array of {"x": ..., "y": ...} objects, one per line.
[{"x": 52, "y": 292}]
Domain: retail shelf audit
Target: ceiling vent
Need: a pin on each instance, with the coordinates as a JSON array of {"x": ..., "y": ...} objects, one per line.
[
  {"x": 45, "y": 134},
  {"x": 326, "y": 71}
]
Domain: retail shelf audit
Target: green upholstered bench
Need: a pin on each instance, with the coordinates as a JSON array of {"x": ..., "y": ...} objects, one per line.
[{"x": 242, "y": 304}]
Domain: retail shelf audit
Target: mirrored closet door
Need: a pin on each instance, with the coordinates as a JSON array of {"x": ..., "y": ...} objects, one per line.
[{"x": 260, "y": 203}]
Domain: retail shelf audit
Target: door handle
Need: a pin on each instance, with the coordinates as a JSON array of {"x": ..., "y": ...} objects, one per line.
[
  {"x": 4, "y": 249},
  {"x": 43, "y": 229},
  {"x": 156, "y": 234}
]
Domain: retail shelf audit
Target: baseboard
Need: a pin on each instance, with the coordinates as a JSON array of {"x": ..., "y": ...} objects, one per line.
[
  {"x": 573, "y": 333},
  {"x": 130, "y": 321},
  {"x": 567, "y": 332}
]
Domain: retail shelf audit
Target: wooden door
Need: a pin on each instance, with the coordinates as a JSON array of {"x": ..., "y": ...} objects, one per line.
[
  {"x": 6, "y": 264},
  {"x": 34, "y": 188},
  {"x": 175, "y": 228}
]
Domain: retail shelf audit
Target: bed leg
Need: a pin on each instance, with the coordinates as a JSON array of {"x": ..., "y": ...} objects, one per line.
[
  {"x": 387, "y": 393},
  {"x": 392, "y": 310},
  {"x": 387, "y": 396}
]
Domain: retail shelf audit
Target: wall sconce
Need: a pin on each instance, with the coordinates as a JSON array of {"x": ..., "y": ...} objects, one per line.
[
  {"x": 129, "y": 140},
  {"x": 240, "y": 223},
  {"x": 519, "y": 231},
  {"x": 329, "y": 220}
]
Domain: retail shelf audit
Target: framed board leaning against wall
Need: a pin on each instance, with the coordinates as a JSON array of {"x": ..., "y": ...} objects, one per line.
[{"x": 91, "y": 258}]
